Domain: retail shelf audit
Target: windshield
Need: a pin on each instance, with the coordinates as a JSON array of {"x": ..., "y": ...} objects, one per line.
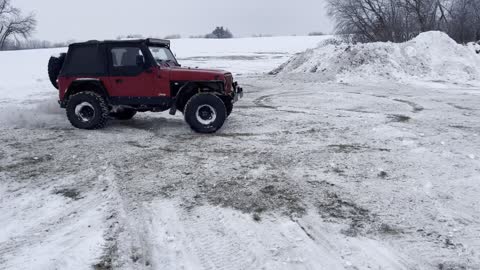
[{"x": 162, "y": 55}]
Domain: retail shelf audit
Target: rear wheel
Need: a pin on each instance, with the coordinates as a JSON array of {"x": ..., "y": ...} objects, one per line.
[
  {"x": 123, "y": 114},
  {"x": 87, "y": 110},
  {"x": 205, "y": 113}
]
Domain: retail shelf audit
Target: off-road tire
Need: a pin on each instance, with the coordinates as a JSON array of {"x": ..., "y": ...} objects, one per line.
[
  {"x": 94, "y": 101},
  {"x": 123, "y": 114},
  {"x": 54, "y": 66},
  {"x": 204, "y": 100},
  {"x": 229, "y": 107}
]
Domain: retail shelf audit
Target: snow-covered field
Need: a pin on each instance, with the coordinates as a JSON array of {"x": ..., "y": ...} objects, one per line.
[{"x": 308, "y": 173}]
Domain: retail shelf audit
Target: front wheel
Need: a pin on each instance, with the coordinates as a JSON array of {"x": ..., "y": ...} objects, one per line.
[
  {"x": 205, "y": 113},
  {"x": 229, "y": 107}
]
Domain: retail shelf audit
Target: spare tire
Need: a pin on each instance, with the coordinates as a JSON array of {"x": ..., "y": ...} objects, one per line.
[{"x": 54, "y": 66}]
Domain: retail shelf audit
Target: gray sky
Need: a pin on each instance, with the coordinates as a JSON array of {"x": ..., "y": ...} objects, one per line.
[{"x": 60, "y": 20}]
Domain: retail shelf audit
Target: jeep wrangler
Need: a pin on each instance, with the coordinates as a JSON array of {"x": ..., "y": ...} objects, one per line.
[{"x": 100, "y": 80}]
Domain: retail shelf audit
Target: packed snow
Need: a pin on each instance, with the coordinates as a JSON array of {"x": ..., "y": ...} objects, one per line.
[
  {"x": 313, "y": 170},
  {"x": 431, "y": 56},
  {"x": 474, "y": 47}
]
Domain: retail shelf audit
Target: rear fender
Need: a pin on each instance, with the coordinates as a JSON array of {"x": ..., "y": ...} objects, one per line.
[{"x": 84, "y": 84}]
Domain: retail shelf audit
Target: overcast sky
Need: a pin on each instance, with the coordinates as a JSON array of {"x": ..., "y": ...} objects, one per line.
[{"x": 61, "y": 20}]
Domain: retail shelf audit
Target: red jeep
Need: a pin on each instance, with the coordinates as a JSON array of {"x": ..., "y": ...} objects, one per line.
[{"x": 98, "y": 80}]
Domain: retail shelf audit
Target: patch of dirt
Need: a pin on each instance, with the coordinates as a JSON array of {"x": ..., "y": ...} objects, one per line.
[
  {"x": 28, "y": 167},
  {"x": 317, "y": 184},
  {"x": 357, "y": 110},
  {"x": 106, "y": 261},
  {"x": 137, "y": 144},
  {"x": 28, "y": 161},
  {"x": 349, "y": 148},
  {"x": 461, "y": 107},
  {"x": 416, "y": 108},
  {"x": 386, "y": 229},
  {"x": 383, "y": 174},
  {"x": 169, "y": 190},
  {"x": 234, "y": 135},
  {"x": 259, "y": 198},
  {"x": 440, "y": 239},
  {"x": 460, "y": 127},
  {"x": 345, "y": 148},
  {"x": 451, "y": 266},
  {"x": 17, "y": 145},
  {"x": 70, "y": 193},
  {"x": 399, "y": 118},
  {"x": 333, "y": 208}
]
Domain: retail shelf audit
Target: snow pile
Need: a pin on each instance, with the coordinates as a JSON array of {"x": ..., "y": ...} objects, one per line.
[
  {"x": 429, "y": 56},
  {"x": 474, "y": 46}
]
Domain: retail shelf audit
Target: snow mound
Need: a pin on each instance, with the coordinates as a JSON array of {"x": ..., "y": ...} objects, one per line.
[
  {"x": 430, "y": 56},
  {"x": 474, "y": 46}
]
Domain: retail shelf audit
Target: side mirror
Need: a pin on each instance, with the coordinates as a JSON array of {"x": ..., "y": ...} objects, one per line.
[{"x": 140, "y": 61}]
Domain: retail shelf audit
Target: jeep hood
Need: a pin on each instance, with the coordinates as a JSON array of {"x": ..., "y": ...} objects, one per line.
[{"x": 188, "y": 74}]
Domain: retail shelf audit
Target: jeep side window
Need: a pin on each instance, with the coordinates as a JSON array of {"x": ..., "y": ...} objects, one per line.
[
  {"x": 125, "y": 57},
  {"x": 85, "y": 60},
  {"x": 125, "y": 61}
]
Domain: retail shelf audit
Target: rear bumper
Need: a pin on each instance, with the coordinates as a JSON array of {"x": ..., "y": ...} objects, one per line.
[{"x": 237, "y": 92}]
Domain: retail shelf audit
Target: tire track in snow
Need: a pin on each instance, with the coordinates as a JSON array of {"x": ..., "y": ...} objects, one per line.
[
  {"x": 218, "y": 246},
  {"x": 415, "y": 107},
  {"x": 208, "y": 237},
  {"x": 49, "y": 220}
]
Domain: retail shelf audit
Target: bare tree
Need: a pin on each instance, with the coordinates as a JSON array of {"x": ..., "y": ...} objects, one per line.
[
  {"x": 428, "y": 13},
  {"x": 400, "y": 20},
  {"x": 476, "y": 10},
  {"x": 465, "y": 19},
  {"x": 13, "y": 24},
  {"x": 369, "y": 20}
]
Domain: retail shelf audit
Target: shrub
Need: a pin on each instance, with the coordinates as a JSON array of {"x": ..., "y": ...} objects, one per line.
[
  {"x": 220, "y": 32},
  {"x": 174, "y": 36}
]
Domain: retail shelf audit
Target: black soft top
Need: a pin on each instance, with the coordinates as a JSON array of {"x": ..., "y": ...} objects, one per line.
[
  {"x": 90, "y": 59},
  {"x": 148, "y": 41}
]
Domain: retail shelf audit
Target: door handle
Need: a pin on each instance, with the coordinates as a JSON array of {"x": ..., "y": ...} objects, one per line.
[{"x": 118, "y": 80}]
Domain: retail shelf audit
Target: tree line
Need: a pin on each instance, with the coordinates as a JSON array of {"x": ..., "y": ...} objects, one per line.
[{"x": 400, "y": 20}]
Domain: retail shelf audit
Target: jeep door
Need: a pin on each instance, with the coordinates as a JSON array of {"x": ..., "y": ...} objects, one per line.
[{"x": 130, "y": 78}]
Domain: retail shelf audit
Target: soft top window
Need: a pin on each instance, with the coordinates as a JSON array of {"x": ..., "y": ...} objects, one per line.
[
  {"x": 85, "y": 60},
  {"x": 125, "y": 56}
]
